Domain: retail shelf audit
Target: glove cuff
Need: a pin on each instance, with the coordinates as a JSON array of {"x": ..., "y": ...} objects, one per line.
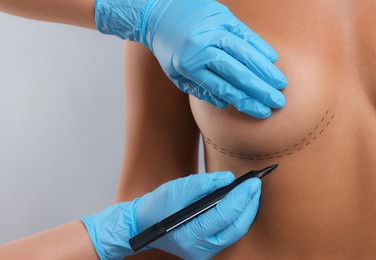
[
  {"x": 111, "y": 229},
  {"x": 88, "y": 221},
  {"x": 123, "y": 18}
]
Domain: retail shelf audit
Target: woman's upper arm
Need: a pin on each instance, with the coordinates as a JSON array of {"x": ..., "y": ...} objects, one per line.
[{"x": 161, "y": 136}]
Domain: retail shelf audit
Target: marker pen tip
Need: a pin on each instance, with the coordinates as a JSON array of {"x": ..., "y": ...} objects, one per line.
[{"x": 267, "y": 170}]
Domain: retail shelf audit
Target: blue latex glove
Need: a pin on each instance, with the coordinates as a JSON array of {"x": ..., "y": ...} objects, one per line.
[
  {"x": 200, "y": 238},
  {"x": 203, "y": 48}
]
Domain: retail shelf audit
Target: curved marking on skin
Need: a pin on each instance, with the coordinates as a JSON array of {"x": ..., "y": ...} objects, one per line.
[{"x": 279, "y": 154}]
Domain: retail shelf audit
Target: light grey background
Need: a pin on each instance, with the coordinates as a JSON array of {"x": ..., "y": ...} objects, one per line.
[{"x": 61, "y": 124}]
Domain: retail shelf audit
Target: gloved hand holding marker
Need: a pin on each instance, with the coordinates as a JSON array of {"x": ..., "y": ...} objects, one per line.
[
  {"x": 200, "y": 238},
  {"x": 193, "y": 210},
  {"x": 203, "y": 48}
]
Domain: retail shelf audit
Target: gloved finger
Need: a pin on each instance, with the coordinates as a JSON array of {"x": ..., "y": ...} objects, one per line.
[
  {"x": 191, "y": 88},
  {"x": 211, "y": 98},
  {"x": 250, "y": 57},
  {"x": 226, "y": 211},
  {"x": 177, "y": 194},
  {"x": 182, "y": 191},
  {"x": 244, "y": 32},
  {"x": 196, "y": 186},
  {"x": 232, "y": 95},
  {"x": 239, "y": 227},
  {"x": 246, "y": 81}
]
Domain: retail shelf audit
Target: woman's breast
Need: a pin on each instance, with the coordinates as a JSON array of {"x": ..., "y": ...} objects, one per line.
[
  {"x": 311, "y": 95},
  {"x": 315, "y": 53},
  {"x": 314, "y": 61}
]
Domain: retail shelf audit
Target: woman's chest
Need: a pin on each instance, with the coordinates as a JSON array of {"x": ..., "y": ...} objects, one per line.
[{"x": 319, "y": 53}]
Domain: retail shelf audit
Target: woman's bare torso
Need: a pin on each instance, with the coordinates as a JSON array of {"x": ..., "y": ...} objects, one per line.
[{"x": 321, "y": 201}]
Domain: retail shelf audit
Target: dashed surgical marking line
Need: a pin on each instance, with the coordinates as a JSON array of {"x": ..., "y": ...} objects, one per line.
[{"x": 279, "y": 154}]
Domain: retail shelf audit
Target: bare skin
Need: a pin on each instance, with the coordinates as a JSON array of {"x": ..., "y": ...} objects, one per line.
[
  {"x": 68, "y": 241},
  {"x": 78, "y": 13},
  {"x": 321, "y": 202}
]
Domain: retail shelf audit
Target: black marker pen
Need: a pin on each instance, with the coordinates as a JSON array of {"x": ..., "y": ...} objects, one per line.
[{"x": 193, "y": 210}]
